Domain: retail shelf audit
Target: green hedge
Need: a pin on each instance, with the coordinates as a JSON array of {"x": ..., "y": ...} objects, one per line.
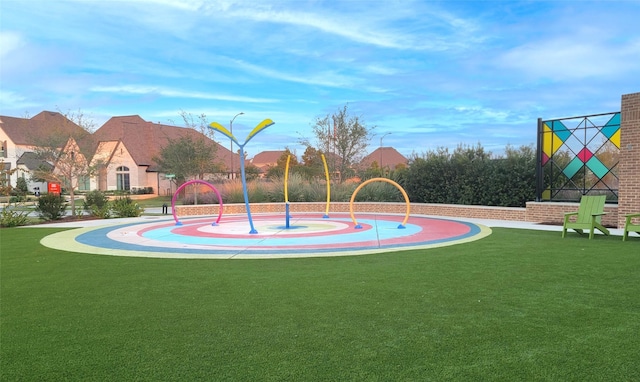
[{"x": 470, "y": 175}]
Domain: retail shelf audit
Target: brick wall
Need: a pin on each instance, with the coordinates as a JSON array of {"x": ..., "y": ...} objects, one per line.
[
  {"x": 553, "y": 213},
  {"x": 449, "y": 210},
  {"x": 536, "y": 212},
  {"x": 629, "y": 173}
]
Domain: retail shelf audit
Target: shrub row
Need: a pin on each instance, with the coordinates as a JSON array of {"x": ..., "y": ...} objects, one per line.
[
  {"x": 97, "y": 204},
  {"x": 472, "y": 176}
]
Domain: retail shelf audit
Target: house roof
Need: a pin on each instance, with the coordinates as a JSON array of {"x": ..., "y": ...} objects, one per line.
[
  {"x": 32, "y": 162},
  {"x": 28, "y": 131},
  {"x": 267, "y": 158},
  {"x": 384, "y": 157},
  {"x": 145, "y": 140}
]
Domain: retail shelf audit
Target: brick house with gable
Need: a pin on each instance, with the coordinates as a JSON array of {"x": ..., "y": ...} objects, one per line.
[
  {"x": 121, "y": 150},
  {"x": 126, "y": 148},
  {"x": 21, "y": 135},
  {"x": 266, "y": 159},
  {"x": 385, "y": 157}
]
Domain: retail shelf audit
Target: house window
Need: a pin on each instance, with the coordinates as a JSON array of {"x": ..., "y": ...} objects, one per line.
[
  {"x": 84, "y": 183},
  {"x": 122, "y": 178}
]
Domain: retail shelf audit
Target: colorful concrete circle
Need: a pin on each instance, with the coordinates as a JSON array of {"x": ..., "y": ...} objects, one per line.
[{"x": 308, "y": 235}]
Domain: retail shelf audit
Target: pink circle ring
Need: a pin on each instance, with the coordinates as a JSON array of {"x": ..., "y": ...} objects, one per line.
[{"x": 197, "y": 181}]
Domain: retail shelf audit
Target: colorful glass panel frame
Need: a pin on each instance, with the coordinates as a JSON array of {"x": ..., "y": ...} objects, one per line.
[{"x": 578, "y": 156}]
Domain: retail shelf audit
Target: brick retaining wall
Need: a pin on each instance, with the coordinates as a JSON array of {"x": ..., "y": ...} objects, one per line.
[
  {"x": 480, "y": 212},
  {"x": 535, "y": 212},
  {"x": 553, "y": 213}
]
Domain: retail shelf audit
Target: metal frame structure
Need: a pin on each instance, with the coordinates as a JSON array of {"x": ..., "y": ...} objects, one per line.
[{"x": 578, "y": 156}]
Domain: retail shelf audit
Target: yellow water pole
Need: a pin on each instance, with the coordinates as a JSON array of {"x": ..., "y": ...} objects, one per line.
[
  {"x": 287, "y": 216},
  {"x": 286, "y": 180},
  {"x": 326, "y": 173}
]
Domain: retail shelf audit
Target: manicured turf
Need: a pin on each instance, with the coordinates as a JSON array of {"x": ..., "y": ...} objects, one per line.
[{"x": 518, "y": 305}]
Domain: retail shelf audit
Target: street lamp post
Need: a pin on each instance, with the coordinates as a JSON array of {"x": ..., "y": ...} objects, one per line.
[
  {"x": 381, "y": 138},
  {"x": 231, "y": 130}
]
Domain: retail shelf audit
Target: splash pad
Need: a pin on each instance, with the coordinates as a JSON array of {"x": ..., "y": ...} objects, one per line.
[
  {"x": 270, "y": 236},
  {"x": 309, "y": 235}
]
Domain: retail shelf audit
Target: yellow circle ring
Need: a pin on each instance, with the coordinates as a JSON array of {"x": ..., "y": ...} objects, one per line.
[{"x": 399, "y": 187}]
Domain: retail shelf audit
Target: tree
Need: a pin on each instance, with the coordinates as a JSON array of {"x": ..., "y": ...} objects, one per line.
[
  {"x": 188, "y": 158},
  {"x": 278, "y": 170},
  {"x": 282, "y": 161},
  {"x": 192, "y": 155},
  {"x": 59, "y": 146},
  {"x": 69, "y": 168},
  {"x": 21, "y": 187},
  {"x": 87, "y": 124},
  {"x": 343, "y": 138},
  {"x": 373, "y": 171},
  {"x": 312, "y": 164},
  {"x": 198, "y": 123},
  {"x": 251, "y": 172},
  {"x": 5, "y": 178}
]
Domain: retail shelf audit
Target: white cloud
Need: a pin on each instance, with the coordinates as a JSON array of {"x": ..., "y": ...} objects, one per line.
[
  {"x": 410, "y": 26},
  {"x": 166, "y": 92},
  {"x": 483, "y": 113},
  {"x": 9, "y": 43},
  {"x": 334, "y": 24},
  {"x": 323, "y": 79},
  {"x": 381, "y": 70},
  {"x": 573, "y": 58},
  {"x": 13, "y": 100},
  {"x": 188, "y": 5}
]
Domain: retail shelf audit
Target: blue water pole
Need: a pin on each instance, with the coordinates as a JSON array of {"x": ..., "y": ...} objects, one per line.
[
  {"x": 261, "y": 126},
  {"x": 286, "y": 211},
  {"x": 244, "y": 190}
]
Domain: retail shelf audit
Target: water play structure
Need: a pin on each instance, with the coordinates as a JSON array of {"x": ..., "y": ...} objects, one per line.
[{"x": 223, "y": 130}]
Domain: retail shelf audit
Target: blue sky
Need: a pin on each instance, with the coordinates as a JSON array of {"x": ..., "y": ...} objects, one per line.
[{"x": 433, "y": 74}]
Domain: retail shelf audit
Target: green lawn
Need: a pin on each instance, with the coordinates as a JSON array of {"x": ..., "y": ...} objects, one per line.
[{"x": 518, "y": 305}]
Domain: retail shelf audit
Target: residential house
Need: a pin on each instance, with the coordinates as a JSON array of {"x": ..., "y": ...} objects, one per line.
[
  {"x": 385, "y": 158},
  {"x": 266, "y": 159},
  {"x": 70, "y": 166},
  {"x": 126, "y": 148},
  {"x": 122, "y": 151},
  {"x": 21, "y": 135},
  {"x": 26, "y": 165}
]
